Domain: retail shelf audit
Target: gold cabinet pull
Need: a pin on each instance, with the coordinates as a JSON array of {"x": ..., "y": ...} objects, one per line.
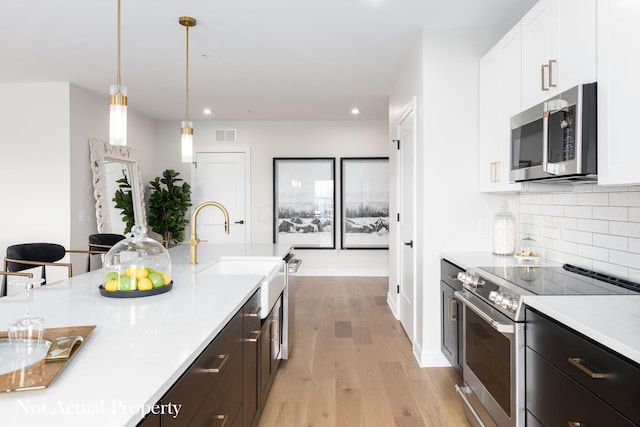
[
  {"x": 451, "y": 315},
  {"x": 254, "y": 312},
  {"x": 255, "y": 337},
  {"x": 223, "y": 359},
  {"x": 215, "y": 419},
  {"x": 577, "y": 362},
  {"x": 551, "y": 63},
  {"x": 575, "y": 424},
  {"x": 542, "y": 79}
]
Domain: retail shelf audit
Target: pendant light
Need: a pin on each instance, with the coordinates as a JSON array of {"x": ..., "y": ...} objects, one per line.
[
  {"x": 118, "y": 104},
  {"x": 187, "y": 126}
]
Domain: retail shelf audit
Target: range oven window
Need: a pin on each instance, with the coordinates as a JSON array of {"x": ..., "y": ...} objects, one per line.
[
  {"x": 526, "y": 145},
  {"x": 488, "y": 355}
]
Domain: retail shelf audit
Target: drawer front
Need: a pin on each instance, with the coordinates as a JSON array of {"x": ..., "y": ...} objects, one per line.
[
  {"x": 191, "y": 389},
  {"x": 620, "y": 385},
  {"x": 251, "y": 314},
  {"x": 554, "y": 399},
  {"x": 449, "y": 274},
  {"x": 224, "y": 401}
]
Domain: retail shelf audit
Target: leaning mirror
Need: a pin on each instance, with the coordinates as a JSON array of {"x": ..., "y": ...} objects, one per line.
[{"x": 117, "y": 187}]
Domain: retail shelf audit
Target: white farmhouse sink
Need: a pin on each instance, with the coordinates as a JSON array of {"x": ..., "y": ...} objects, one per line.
[{"x": 271, "y": 268}]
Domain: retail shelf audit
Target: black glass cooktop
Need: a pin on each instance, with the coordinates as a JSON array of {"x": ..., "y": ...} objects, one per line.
[{"x": 565, "y": 280}]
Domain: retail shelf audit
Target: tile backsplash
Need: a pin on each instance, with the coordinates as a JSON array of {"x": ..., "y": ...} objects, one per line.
[{"x": 586, "y": 225}]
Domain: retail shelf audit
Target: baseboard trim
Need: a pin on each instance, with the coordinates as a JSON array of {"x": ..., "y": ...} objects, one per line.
[
  {"x": 365, "y": 272},
  {"x": 431, "y": 359}
]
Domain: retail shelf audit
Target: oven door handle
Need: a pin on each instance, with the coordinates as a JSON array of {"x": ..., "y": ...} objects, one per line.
[{"x": 503, "y": 328}]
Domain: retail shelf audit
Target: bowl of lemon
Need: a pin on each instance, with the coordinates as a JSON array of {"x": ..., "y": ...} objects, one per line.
[{"x": 136, "y": 267}]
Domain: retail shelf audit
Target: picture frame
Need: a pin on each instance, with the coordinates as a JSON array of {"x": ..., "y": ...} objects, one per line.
[
  {"x": 364, "y": 202},
  {"x": 304, "y": 200}
]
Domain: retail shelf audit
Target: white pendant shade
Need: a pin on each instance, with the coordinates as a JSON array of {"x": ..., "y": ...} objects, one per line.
[
  {"x": 118, "y": 115},
  {"x": 187, "y": 142}
]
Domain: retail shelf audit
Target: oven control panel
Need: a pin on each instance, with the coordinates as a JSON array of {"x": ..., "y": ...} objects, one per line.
[
  {"x": 504, "y": 300},
  {"x": 493, "y": 293}
]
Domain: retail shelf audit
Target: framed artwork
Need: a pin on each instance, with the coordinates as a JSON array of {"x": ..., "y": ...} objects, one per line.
[
  {"x": 304, "y": 202},
  {"x": 365, "y": 202}
]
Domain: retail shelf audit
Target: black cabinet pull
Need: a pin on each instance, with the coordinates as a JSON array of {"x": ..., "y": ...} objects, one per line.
[
  {"x": 409, "y": 243},
  {"x": 239, "y": 222}
]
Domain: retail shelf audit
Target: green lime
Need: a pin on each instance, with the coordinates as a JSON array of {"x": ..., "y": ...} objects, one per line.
[
  {"x": 112, "y": 275},
  {"x": 127, "y": 284},
  {"x": 157, "y": 279}
]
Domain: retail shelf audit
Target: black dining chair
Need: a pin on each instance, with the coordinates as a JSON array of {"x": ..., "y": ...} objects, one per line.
[
  {"x": 100, "y": 244},
  {"x": 25, "y": 256}
]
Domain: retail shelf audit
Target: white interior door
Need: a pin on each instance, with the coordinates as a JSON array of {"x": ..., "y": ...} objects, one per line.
[
  {"x": 222, "y": 177},
  {"x": 406, "y": 209}
]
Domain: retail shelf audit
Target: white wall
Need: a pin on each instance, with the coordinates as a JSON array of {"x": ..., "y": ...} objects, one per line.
[
  {"x": 35, "y": 164},
  {"x": 289, "y": 139},
  {"x": 452, "y": 207}
]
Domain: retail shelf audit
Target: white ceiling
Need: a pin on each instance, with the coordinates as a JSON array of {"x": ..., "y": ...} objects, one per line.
[{"x": 249, "y": 59}]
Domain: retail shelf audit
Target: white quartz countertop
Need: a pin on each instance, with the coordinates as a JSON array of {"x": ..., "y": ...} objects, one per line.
[
  {"x": 140, "y": 346},
  {"x": 611, "y": 320}
]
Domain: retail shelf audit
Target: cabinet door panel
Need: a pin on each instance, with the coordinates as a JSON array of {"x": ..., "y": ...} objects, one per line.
[
  {"x": 618, "y": 92},
  {"x": 449, "y": 310},
  {"x": 195, "y": 383},
  {"x": 225, "y": 399},
  {"x": 500, "y": 96},
  {"x": 555, "y": 399},
  {"x": 557, "y": 344},
  {"x": 539, "y": 46}
]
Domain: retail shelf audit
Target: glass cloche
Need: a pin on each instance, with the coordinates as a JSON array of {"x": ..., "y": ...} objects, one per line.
[
  {"x": 527, "y": 249},
  {"x": 137, "y": 266}
]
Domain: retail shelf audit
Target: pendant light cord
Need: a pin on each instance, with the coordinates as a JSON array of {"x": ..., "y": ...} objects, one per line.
[
  {"x": 118, "y": 59},
  {"x": 187, "y": 79}
]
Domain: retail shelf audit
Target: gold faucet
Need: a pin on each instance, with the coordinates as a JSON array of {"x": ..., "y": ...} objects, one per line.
[{"x": 193, "y": 242}]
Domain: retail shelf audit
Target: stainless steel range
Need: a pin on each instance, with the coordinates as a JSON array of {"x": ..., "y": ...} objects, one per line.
[{"x": 493, "y": 329}]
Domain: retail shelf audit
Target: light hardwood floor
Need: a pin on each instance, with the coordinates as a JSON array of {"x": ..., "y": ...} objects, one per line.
[{"x": 352, "y": 365}]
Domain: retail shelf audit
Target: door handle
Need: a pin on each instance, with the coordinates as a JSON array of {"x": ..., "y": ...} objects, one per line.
[
  {"x": 239, "y": 222},
  {"x": 409, "y": 243}
]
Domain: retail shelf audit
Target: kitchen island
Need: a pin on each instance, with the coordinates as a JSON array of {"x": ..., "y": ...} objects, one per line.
[{"x": 140, "y": 346}]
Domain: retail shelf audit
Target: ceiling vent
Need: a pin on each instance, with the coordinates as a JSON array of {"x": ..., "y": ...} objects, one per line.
[{"x": 226, "y": 136}]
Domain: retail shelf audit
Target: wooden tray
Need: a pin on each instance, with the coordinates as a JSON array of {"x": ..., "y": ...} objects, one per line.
[{"x": 51, "y": 369}]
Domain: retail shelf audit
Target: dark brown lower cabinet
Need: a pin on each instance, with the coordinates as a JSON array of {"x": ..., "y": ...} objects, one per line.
[
  {"x": 270, "y": 350},
  {"x": 572, "y": 380},
  {"x": 250, "y": 363},
  {"x": 151, "y": 420},
  {"x": 211, "y": 391},
  {"x": 223, "y": 404}
]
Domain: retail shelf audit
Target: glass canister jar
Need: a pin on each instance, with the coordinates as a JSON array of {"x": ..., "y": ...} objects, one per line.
[
  {"x": 504, "y": 231},
  {"x": 137, "y": 264}
]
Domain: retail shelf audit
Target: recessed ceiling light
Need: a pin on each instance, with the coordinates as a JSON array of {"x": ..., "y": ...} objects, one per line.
[
  {"x": 207, "y": 111},
  {"x": 355, "y": 111}
]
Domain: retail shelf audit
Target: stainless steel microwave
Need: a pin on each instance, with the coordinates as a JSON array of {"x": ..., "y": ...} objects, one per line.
[{"x": 557, "y": 139}]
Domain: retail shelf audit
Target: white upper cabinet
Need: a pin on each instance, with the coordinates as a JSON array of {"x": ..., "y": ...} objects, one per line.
[
  {"x": 558, "y": 48},
  {"x": 500, "y": 80},
  {"x": 618, "y": 92}
]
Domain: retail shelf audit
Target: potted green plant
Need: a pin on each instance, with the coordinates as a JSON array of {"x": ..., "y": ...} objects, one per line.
[
  {"x": 169, "y": 202},
  {"x": 123, "y": 200}
]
